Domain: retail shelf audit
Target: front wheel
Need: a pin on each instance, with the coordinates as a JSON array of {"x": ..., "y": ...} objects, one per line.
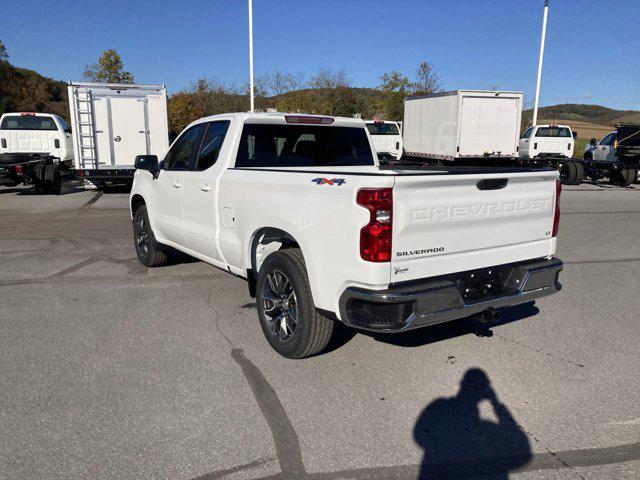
[
  {"x": 287, "y": 314},
  {"x": 150, "y": 252}
]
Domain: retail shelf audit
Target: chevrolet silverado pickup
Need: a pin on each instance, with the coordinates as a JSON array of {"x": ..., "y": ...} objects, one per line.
[{"x": 299, "y": 206}]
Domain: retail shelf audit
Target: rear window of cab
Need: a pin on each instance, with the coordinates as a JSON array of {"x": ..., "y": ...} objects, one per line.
[
  {"x": 382, "y": 128},
  {"x": 27, "y": 122},
  {"x": 277, "y": 145}
]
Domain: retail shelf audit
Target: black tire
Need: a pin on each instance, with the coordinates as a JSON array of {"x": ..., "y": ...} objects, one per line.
[
  {"x": 628, "y": 176},
  {"x": 309, "y": 332},
  {"x": 150, "y": 252},
  {"x": 623, "y": 177},
  {"x": 54, "y": 180},
  {"x": 579, "y": 173},
  {"x": 568, "y": 173},
  {"x": 38, "y": 179}
]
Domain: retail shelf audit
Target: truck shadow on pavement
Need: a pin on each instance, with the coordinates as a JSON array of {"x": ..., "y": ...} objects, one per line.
[{"x": 455, "y": 437}]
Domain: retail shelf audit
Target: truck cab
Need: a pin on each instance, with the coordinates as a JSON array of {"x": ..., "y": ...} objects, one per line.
[
  {"x": 539, "y": 141},
  {"x": 386, "y": 138},
  {"x": 604, "y": 150},
  {"x": 40, "y": 133}
]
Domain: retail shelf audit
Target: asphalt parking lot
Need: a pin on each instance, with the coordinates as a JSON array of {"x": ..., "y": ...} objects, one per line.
[{"x": 110, "y": 370}]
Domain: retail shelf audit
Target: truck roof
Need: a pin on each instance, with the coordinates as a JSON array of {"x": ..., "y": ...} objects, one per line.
[
  {"x": 32, "y": 114},
  {"x": 487, "y": 93},
  {"x": 281, "y": 117}
]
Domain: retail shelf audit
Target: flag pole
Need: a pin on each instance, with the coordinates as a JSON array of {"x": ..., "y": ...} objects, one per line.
[
  {"x": 251, "y": 54},
  {"x": 544, "y": 33}
]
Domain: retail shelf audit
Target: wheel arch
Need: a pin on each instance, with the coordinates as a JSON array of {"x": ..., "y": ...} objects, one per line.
[
  {"x": 264, "y": 241},
  {"x": 137, "y": 201}
]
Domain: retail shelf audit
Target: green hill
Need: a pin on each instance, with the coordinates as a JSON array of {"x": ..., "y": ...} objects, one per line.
[
  {"x": 595, "y": 114},
  {"x": 24, "y": 90}
]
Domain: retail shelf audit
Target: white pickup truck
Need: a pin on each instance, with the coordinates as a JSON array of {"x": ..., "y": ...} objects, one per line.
[
  {"x": 541, "y": 141},
  {"x": 36, "y": 133},
  {"x": 386, "y": 139},
  {"x": 299, "y": 206}
]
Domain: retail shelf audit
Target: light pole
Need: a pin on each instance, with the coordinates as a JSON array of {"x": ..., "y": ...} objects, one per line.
[
  {"x": 251, "y": 54},
  {"x": 544, "y": 33}
]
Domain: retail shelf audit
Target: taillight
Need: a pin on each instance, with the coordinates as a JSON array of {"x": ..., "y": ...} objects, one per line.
[
  {"x": 556, "y": 214},
  {"x": 535, "y": 146},
  {"x": 19, "y": 169},
  {"x": 56, "y": 143},
  {"x": 375, "y": 236},
  {"x": 569, "y": 146},
  {"x": 397, "y": 145}
]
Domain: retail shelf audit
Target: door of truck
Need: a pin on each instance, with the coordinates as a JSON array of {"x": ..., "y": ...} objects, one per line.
[
  {"x": 488, "y": 126},
  {"x": 167, "y": 188},
  {"x": 199, "y": 191},
  {"x": 605, "y": 150},
  {"x": 130, "y": 129}
]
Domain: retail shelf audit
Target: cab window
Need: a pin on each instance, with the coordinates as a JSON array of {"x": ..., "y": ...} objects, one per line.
[
  {"x": 211, "y": 144},
  {"x": 527, "y": 132},
  {"x": 183, "y": 150},
  {"x": 608, "y": 139},
  {"x": 561, "y": 132}
]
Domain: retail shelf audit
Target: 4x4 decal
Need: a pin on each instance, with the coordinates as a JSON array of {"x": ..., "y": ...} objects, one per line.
[{"x": 329, "y": 181}]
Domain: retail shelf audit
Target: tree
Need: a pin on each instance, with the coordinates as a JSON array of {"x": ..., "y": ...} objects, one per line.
[
  {"x": 427, "y": 80},
  {"x": 394, "y": 88},
  {"x": 108, "y": 69},
  {"x": 4, "y": 56},
  {"x": 277, "y": 82},
  {"x": 327, "y": 78}
]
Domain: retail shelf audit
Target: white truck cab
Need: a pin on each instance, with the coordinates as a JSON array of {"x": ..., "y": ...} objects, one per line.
[
  {"x": 604, "y": 150},
  {"x": 386, "y": 138},
  {"x": 43, "y": 133},
  {"x": 540, "y": 141},
  {"x": 300, "y": 206}
]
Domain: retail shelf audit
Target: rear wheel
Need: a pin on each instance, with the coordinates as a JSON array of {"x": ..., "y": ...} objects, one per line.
[
  {"x": 568, "y": 173},
  {"x": 579, "y": 173},
  {"x": 287, "y": 314},
  {"x": 624, "y": 177},
  {"x": 53, "y": 179},
  {"x": 150, "y": 252}
]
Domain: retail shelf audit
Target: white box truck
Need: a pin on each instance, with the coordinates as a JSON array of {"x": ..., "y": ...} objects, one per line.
[
  {"x": 112, "y": 123},
  {"x": 463, "y": 125}
]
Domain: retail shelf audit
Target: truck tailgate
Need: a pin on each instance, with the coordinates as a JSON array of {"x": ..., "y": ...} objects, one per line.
[{"x": 457, "y": 222}]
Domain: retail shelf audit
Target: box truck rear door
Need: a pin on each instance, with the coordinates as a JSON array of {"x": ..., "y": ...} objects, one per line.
[
  {"x": 129, "y": 127},
  {"x": 488, "y": 125}
]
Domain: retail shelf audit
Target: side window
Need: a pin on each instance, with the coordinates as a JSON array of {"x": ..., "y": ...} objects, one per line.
[
  {"x": 211, "y": 144},
  {"x": 527, "y": 132},
  {"x": 181, "y": 153},
  {"x": 607, "y": 140},
  {"x": 65, "y": 128}
]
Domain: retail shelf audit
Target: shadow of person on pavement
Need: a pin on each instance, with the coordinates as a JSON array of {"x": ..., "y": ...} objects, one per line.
[{"x": 461, "y": 440}]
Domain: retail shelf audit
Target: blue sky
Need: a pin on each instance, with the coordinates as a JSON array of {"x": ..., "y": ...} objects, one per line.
[{"x": 591, "y": 54}]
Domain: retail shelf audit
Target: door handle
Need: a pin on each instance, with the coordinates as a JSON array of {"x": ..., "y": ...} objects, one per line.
[
  {"x": 176, "y": 184},
  {"x": 205, "y": 187}
]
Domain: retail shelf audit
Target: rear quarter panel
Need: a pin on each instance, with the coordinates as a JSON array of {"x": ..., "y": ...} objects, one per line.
[{"x": 324, "y": 219}]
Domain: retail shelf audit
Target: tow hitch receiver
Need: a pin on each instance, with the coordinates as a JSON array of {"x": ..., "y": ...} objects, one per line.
[{"x": 490, "y": 315}]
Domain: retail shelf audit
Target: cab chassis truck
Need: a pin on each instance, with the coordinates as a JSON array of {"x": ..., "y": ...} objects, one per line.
[{"x": 39, "y": 170}]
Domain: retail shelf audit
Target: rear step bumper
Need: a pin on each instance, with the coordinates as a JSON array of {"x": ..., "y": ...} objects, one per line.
[
  {"x": 412, "y": 305},
  {"x": 106, "y": 174}
]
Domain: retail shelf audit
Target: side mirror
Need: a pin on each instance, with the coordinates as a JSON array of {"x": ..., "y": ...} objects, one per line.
[
  {"x": 575, "y": 134},
  {"x": 147, "y": 162},
  {"x": 593, "y": 142}
]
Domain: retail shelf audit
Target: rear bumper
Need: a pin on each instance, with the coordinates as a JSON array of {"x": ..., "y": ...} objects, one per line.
[
  {"x": 106, "y": 174},
  {"x": 419, "y": 304}
]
